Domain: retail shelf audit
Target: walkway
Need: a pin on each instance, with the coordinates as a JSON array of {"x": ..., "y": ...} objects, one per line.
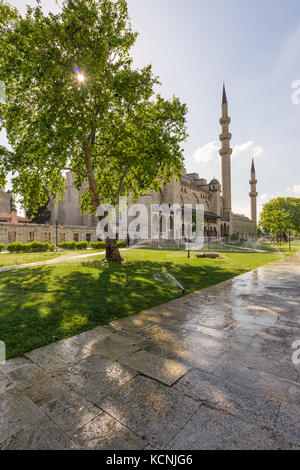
[{"x": 212, "y": 370}]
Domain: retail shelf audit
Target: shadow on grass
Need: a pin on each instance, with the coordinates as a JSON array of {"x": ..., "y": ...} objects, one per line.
[{"x": 44, "y": 304}]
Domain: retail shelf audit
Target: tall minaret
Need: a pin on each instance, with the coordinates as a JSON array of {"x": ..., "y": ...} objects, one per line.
[
  {"x": 225, "y": 153},
  {"x": 253, "y": 194}
]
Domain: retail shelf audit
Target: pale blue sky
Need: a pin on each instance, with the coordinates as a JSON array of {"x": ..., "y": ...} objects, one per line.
[{"x": 254, "y": 46}]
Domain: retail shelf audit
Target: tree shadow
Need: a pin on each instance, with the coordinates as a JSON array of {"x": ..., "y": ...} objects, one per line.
[{"x": 43, "y": 304}]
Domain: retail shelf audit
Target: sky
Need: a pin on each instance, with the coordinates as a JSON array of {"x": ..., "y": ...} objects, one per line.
[{"x": 195, "y": 45}]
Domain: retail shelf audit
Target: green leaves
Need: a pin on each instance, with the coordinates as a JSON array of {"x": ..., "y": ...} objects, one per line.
[
  {"x": 108, "y": 128},
  {"x": 280, "y": 215}
]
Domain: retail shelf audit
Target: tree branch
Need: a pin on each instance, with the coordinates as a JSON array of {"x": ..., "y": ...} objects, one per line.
[
  {"x": 121, "y": 184},
  {"x": 90, "y": 176}
]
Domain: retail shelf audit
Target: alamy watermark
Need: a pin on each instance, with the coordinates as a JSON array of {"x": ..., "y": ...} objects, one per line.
[
  {"x": 296, "y": 354},
  {"x": 296, "y": 93},
  {"x": 2, "y": 92},
  {"x": 156, "y": 222},
  {"x": 2, "y": 352}
]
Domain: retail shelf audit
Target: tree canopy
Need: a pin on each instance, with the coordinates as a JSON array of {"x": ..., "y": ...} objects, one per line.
[
  {"x": 281, "y": 215},
  {"x": 75, "y": 102}
]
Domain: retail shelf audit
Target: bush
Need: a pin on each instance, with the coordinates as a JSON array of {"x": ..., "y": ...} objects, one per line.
[
  {"x": 37, "y": 247},
  {"x": 1, "y": 247},
  {"x": 97, "y": 245},
  {"x": 122, "y": 244},
  {"x": 52, "y": 247},
  {"x": 67, "y": 245},
  {"x": 101, "y": 245},
  {"x": 33, "y": 247},
  {"x": 82, "y": 245}
]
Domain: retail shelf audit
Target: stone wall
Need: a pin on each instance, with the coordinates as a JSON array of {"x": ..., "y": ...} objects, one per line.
[
  {"x": 27, "y": 233},
  {"x": 4, "y": 203},
  {"x": 243, "y": 228}
]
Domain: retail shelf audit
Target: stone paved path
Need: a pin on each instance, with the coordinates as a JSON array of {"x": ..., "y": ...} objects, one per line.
[{"x": 212, "y": 370}]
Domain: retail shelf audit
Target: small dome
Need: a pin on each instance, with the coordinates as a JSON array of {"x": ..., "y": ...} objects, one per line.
[{"x": 214, "y": 181}]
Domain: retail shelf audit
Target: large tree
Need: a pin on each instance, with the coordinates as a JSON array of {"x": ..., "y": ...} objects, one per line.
[
  {"x": 75, "y": 102},
  {"x": 281, "y": 215}
]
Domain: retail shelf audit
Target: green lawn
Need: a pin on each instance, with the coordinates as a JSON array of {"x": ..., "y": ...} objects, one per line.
[
  {"x": 14, "y": 259},
  {"x": 40, "y": 305}
]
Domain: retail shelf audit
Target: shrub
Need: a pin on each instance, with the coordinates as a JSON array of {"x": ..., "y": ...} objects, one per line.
[
  {"x": 82, "y": 245},
  {"x": 1, "y": 247},
  {"x": 15, "y": 247},
  {"x": 68, "y": 245},
  {"x": 37, "y": 247},
  {"x": 97, "y": 245},
  {"x": 33, "y": 247},
  {"x": 52, "y": 247},
  {"x": 122, "y": 244},
  {"x": 101, "y": 245}
]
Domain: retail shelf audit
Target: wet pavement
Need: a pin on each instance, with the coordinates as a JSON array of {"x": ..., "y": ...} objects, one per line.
[{"x": 212, "y": 370}]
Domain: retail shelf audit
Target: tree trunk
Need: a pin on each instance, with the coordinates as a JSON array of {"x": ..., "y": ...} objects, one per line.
[{"x": 112, "y": 251}]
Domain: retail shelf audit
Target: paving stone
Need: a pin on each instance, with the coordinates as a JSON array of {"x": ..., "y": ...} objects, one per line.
[
  {"x": 116, "y": 346},
  {"x": 287, "y": 424},
  {"x": 184, "y": 340},
  {"x": 26, "y": 375},
  {"x": 164, "y": 370},
  {"x": 249, "y": 404},
  {"x": 268, "y": 384},
  {"x": 190, "y": 358},
  {"x": 13, "y": 364},
  {"x": 132, "y": 323},
  {"x": 150, "y": 409},
  {"x": 58, "y": 355},
  {"x": 5, "y": 384},
  {"x": 41, "y": 435},
  {"x": 278, "y": 366},
  {"x": 105, "y": 433},
  {"x": 215, "y": 430},
  {"x": 88, "y": 338},
  {"x": 95, "y": 377},
  {"x": 155, "y": 318},
  {"x": 16, "y": 413},
  {"x": 66, "y": 408}
]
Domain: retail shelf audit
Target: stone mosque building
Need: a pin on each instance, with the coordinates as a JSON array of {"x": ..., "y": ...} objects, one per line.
[{"x": 67, "y": 222}]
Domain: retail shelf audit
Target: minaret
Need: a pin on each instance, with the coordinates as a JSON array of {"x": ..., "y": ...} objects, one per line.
[
  {"x": 253, "y": 194},
  {"x": 225, "y": 153}
]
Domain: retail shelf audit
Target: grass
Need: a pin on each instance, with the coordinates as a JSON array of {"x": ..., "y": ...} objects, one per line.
[
  {"x": 43, "y": 304},
  {"x": 14, "y": 259}
]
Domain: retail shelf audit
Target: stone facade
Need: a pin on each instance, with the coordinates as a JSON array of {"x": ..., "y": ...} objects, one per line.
[
  {"x": 27, "y": 233},
  {"x": 67, "y": 212}
]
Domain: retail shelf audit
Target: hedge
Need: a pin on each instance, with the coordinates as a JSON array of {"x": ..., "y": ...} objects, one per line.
[
  {"x": 101, "y": 245},
  {"x": 73, "y": 245},
  {"x": 67, "y": 245},
  {"x": 82, "y": 245},
  {"x": 98, "y": 245},
  {"x": 34, "y": 247}
]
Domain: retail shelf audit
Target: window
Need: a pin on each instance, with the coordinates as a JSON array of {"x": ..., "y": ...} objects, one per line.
[
  {"x": 47, "y": 237},
  {"x": 88, "y": 237},
  {"x": 62, "y": 237},
  {"x": 76, "y": 237},
  {"x": 31, "y": 236},
  {"x": 12, "y": 236}
]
